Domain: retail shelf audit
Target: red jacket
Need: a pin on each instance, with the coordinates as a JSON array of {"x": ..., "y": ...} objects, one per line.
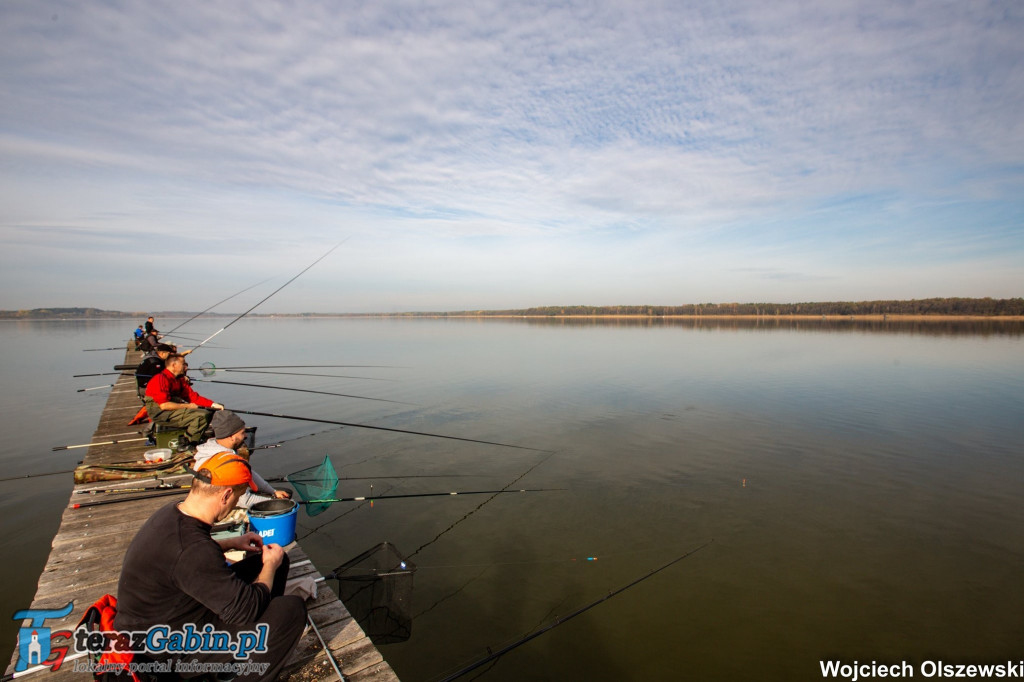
[{"x": 165, "y": 387}]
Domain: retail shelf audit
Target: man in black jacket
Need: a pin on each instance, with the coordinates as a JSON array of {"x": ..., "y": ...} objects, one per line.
[
  {"x": 151, "y": 365},
  {"x": 174, "y": 576}
]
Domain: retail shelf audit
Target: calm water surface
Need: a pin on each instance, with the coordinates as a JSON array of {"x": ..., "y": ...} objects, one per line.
[{"x": 860, "y": 483}]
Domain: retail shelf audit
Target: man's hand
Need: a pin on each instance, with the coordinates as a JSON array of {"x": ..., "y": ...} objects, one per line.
[
  {"x": 250, "y": 542},
  {"x": 283, "y": 494},
  {"x": 273, "y": 555},
  {"x": 217, "y": 406}
]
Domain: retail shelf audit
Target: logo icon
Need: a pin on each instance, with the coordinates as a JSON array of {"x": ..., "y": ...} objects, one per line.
[{"x": 34, "y": 639}]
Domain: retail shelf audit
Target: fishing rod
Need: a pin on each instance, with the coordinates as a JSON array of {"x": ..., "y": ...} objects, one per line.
[
  {"x": 327, "y": 650},
  {"x": 89, "y": 445},
  {"x": 217, "y": 304},
  {"x": 279, "y": 388},
  {"x": 144, "y": 489},
  {"x": 213, "y": 367},
  {"x": 95, "y": 388},
  {"x": 178, "y": 490},
  {"x": 208, "y": 370},
  {"x": 558, "y": 621},
  {"x": 282, "y": 479},
  {"x": 51, "y": 473},
  {"x": 372, "y": 498},
  {"x": 111, "y": 442},
  {"x": 385, "y": 428},
  {"x": 463, "y": 518},
  {"x": 89, "y": 350},
  {"x": 207, "y": 373},
  {"x": 202, "y": 343},
  {"x": 300, "y": 390}
]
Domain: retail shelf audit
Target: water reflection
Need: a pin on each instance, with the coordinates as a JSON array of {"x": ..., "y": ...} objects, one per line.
[
  {"x": 917, "y": 326},
  {"x": 859, "y": 477}
]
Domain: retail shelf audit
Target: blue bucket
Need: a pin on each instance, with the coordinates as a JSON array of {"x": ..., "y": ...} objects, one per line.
[{"x": 274, "y": 521}]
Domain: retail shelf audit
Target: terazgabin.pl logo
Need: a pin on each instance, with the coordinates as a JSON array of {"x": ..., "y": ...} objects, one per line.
[{"x": 34, "y": 639}]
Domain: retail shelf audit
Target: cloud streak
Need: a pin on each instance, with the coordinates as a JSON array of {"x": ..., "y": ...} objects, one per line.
[{"x": 576, "y": 127}]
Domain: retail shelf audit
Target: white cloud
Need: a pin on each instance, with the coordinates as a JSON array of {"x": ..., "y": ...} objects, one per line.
[{"x": 273, "y": 123}]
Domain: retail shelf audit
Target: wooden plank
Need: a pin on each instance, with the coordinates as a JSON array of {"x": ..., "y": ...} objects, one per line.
[{"x": 88, "y": 550}]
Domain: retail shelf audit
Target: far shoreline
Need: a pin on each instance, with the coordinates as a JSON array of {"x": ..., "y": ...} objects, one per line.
[
  {"x": 894, "y": 317},
  {"x": 845, "y": 318}
]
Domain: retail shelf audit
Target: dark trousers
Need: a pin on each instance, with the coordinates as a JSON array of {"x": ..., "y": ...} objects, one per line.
[{"x": 285, "y": 618}]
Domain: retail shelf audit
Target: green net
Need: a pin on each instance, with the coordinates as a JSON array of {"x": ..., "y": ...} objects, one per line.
[{"x": 315, "y": 483}]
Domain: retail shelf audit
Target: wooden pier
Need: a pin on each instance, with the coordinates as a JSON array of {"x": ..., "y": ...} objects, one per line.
[{"x": 88, "y": 550}]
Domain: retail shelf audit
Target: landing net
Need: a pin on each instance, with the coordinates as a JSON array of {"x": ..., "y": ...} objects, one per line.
[
  {"x": 376, "y": 587},
  {"x": 316, "y": 483}
]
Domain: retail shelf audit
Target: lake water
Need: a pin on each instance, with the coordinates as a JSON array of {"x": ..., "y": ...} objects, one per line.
[{"x": 859, "y": 483}]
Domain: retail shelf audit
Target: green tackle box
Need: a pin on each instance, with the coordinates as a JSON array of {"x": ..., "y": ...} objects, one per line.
[{"x": 170, "y": 437}]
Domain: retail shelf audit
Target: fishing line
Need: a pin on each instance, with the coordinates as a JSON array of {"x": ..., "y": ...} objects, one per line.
[
  {"x": 181, "y": 335},
  {"x": 466, "y": 516},
  {"x": 478, "y": 508},
  {"x": 201, "y": 344},
  {"x": 339, "y": 516},
  {"x": 450, "y": 595},
  {"x": 446, "y": 530},
  {"x": 217, "y": 304},
  {"x": 289, "y": 440},
  {"x": 559, "y": 621},
  {"x": 369, "y": 459}
]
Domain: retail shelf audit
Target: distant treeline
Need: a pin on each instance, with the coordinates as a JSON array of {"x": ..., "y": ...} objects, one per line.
[
  {"x": 64, "y": 313},
  {"x": 981, "y": 307},
  {"x": 85, "y": 313},
  {"x": 987, "y": 307}
]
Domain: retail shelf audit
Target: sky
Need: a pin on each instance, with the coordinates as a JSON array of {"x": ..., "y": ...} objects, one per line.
[{"x": 506, "y": 154}]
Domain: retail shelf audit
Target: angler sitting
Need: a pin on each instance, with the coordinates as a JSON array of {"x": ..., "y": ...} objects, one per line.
[
  {"x": 228, "y": 436},
  {"x": 174, "y": 575},
  {"x": 171, "y": 400}
]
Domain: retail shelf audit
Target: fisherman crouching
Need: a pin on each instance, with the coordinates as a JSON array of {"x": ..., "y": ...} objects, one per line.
[
  {"x": 171, "y": 400},
  {"x": 228, "y": 435},
  {"x": 175, "y": 577}
]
